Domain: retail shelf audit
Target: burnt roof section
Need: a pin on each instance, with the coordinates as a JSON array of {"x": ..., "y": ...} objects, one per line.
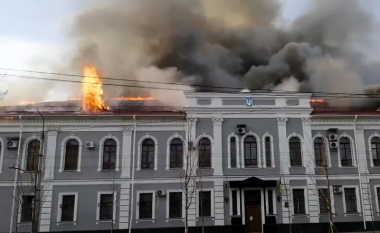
[
  {"x": 323, "y": 108},
  {"x": 73, "y": 107}
]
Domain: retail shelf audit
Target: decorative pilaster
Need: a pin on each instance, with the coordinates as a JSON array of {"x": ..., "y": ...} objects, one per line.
[
  {"x": 46, "y": 207},
  {"x": 124, "y": 205},
  {"x": 219, "y": 202},
  {"x": 283, "y": 145},
  {"x": 126, "y": 157},
  {"x": 50, "y": 155},
  {"x": 190, "y": 138},
  {"x": 308, "y": 147},
  {"x": 217, "y": 148},
  {"x": 361, "y": 161}
]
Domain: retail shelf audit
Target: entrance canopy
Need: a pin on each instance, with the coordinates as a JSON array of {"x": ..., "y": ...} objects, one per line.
[{"x": 253, "y": 182}]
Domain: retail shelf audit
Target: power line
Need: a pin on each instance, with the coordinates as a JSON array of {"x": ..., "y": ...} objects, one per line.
[{"x": 343, "y": 94}]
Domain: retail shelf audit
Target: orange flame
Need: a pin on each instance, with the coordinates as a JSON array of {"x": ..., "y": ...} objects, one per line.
[
  {"x": 136, "y": 98},
  {"x": 92, "y": 90},
  {"x": 317, "y": 101}
]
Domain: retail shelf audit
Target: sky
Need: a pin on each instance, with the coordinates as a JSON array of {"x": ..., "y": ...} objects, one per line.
[{"x": 32, "y": 31}]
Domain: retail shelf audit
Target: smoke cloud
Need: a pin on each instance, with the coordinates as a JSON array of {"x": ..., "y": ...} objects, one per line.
[{"x": 224, "y": 46}]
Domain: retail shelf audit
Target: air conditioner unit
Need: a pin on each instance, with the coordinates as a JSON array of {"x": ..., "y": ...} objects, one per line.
[
  {"x": 90, "y": 144},
  {"x": 241, "y": 129},
  {"x": 12, "y": 144},
  {"x": 161, "y": 193},
  {"x": 337, "y": 189},
  {"x": 334, "y": 145},
  {"x": 333, "y": 137}
]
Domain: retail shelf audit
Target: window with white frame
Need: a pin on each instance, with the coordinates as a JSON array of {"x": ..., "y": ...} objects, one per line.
[
  {"x": 205, "y": 203},
  {"x": 71, "y": 155},
  {"x": 378, "y": 198},
  {"x": 32, "y": 156},
  {"x": 147, "y": 154},
  {"x": 250, "y": 151},
  {"x": 67, "y": 209},
  {"x": 320, "y": 152},
  {"x": 351, "y": 202},
  {"x": 106, "y": 210},
  {"x": 345, "y": 152},
  {"x": 299, "y": 201},
  {"x": 234, "y": 202},
  {"x": 146, "y": 205},
  {"x": 295, "y": 151},
  {"x": 204, "y": 153},
  {"x": 270, "y": 202},
  {"x": 175, "y": 205},
  {"x": 26, "y": 208},
  {"x": 109, "y": 155},
  {"x": 324, "y": 200},
  {"x": 375, "y": 151},
  {"x": 176, "y": 153}
]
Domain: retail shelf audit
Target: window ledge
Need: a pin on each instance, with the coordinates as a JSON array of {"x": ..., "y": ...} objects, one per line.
[
  {"x": 24, "y": 223},
  {"x": 108, "y": 170},
  {"x": 73, "y": 223},
  {"x": 207, "y": 218},
  {"x": 327, "y": 214},
  {"x": 175, "y": 219},
  {"x": 105, "y": 221},
  {"x": 145, "y": 220},
  {"x": 352, "y": 214},
  {"x": 174, "y": 169},
  {"x": 251, "y": 167},
  {"x": 70, "y": 171},
  {"x": 300, "y": 215},
  {"x": 347, "y": 167}
]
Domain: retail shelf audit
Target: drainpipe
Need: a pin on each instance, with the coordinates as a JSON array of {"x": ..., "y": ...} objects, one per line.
[
  {"x": 359, "y": 175},
  {"x": 133, "y": 174},
  {"x": 16, "y": 179}
]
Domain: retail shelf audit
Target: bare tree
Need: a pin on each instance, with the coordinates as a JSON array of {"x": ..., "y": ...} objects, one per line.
[
  {"x": 322, "y": 165},
  {"x": 188, "y": 177},
  {"x": 283, "y": 184}
]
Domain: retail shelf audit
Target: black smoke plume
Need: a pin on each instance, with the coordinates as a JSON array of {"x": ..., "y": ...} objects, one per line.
[{"x": 225, "y": 45}]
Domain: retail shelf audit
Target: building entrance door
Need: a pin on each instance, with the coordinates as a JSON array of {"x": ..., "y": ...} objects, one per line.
[{"x": 253, "y": 221}]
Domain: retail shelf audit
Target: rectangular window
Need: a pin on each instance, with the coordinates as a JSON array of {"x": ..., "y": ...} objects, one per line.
[
  {"x": 106, "y": 207},
  {"x": 299, "y": 201},
  {"x": 175, "y": 205},
  {"x": 146, "y": 206},
  {"x": 233, "y": 152},
  {"x": 378, "y": 196},
  {"x": 270, "y": 201},
  {"x": 234, "y": 203},
  {"x": 268, "y": 154},
  {"x": 67, "y": 208},
  {"x": 27, "y": 208},
  {"x": 205, "y": 204},
  {"x": 323, "y": 201},
  {"x": 350, "y": 200}
]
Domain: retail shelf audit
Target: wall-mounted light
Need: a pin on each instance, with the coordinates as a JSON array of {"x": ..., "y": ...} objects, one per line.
[
  {"x": 226, "y": 200},
  {"x": 278, "y": 198}
]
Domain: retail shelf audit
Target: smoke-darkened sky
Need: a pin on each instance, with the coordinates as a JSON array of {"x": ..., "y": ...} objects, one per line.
[{"x": 322, "y": 46}]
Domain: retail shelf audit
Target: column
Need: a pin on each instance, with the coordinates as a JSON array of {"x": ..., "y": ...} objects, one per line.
[
  {"x": 217, "y": 153},
  {"x": 51, "y": 143},
  {"x": 124, "y": 205},
  {"x": 362, "y": 163},
  {"x": 283, "y": 145},
  {"x": 47, "y": 197},
  {"x": 219, "y": 202},
  {"x": 126, "y": 153}
]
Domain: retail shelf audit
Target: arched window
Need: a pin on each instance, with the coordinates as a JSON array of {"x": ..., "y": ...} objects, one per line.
[
  {"x": 204, "y": 153},
  {"x": 250, "y": 151},
  {"x": 176, "y": 153},
  {"x": 268, "y": 152},
  {"x": 345, "y": 152},
  {"x": 147, "y": 154},
  {"x": 295, "y": 151},
  {"x": 233, "y": 153},
  {"x": 71, "y": 155},
  {"x": 33, "y": 155},
  {"x": 109, "y": 154},
  {"x": 320, "y": 153},
  {"x": 375, "y": 149}
]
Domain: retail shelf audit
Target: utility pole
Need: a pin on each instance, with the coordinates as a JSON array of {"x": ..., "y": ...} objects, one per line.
[{"x": 37, "y": 183}]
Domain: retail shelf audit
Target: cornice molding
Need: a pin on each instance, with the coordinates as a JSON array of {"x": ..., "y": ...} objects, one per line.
[{"x": 71, "y": 122}]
